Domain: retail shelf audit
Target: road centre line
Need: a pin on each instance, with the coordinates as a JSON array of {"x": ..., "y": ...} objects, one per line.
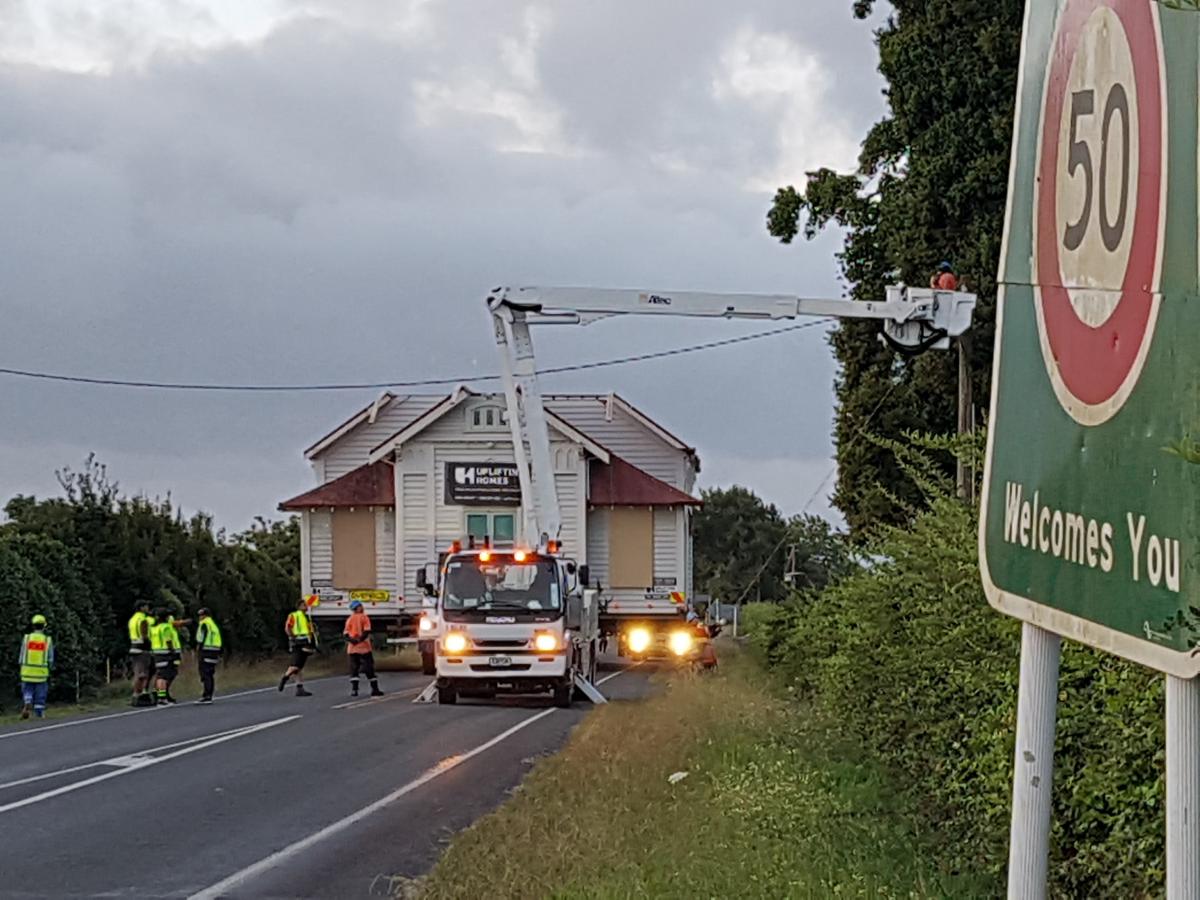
[
  {"x": 133, "y": 712},
  {"x": 370, "y": 701},
  {"x": 123, "y": 761},
  {"x": 280, "y": 856},
  {"x": 136, "y": 764}
]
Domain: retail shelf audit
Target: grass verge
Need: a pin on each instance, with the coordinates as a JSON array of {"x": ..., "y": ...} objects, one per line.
[{"x": 773, "y": 805}]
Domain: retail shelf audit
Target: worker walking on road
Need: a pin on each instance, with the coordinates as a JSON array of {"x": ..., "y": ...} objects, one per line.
[
  {"x": 140, "y": 658},
  {"x": 358, "y": 648},
  {"x": 302, "y": 640},
  {"x": 208, "y": 646},
  {"x": 165, "y": 647},
  {"x": 37, "y": 656}
]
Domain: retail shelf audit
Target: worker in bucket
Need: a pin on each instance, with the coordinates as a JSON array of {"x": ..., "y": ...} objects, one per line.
[
  {"x": 944, "y": 278},
  {"x": 358, "y": 649},
  {"x": 37, "y": 657},
  {"x": 302, "y": 641}
]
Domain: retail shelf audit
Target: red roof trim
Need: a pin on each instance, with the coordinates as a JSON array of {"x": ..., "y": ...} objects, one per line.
[
  {"x": 370, "y": 485},
  {"x": 619, "y": 483}
]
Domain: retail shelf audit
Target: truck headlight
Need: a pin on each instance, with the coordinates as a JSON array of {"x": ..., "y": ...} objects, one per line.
[
  {"x": 454, "y": 642},
  {"x": 545, "y": 642},
  {"x": 681, "y": 643},
  {"x": 426, "y": 624},
  {"x": 638, "y": 639}
]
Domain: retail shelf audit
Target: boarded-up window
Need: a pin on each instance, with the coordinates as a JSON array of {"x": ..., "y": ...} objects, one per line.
[
  {"x": 354, "y": 549},
  {"x": 631, "y": 547}
]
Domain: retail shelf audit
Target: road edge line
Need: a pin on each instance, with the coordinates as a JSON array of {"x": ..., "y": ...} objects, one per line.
[{"x": 267, "y": 863}]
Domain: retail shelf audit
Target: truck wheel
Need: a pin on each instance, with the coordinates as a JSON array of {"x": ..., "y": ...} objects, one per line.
[
  {"x": 428, "y": 663},
  {"x": 562, "y": 696},
  {"x": 447, "y": 696}
]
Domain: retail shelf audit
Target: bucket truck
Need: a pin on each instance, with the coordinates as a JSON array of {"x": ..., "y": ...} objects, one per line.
[{"x": 914, "y": 320}]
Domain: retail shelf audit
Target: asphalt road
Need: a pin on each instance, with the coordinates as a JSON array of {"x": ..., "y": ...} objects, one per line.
[{"x": 263, "y": 794}]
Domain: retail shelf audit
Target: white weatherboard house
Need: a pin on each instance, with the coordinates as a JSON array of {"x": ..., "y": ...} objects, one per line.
[{"x": 403, "y": 478}]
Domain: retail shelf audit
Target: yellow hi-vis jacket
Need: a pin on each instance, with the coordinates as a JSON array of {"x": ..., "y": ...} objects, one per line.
[{"x": 37, "y": 655}]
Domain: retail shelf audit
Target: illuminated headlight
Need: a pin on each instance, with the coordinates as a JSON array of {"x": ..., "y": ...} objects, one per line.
[
  {"x": 454, "y": 642},
  {"x": 638, "y": 639},
  {"x": 545, "y": 642},
  {"x": 426, "y": 624},
  {"x": 681, "y": 643}
]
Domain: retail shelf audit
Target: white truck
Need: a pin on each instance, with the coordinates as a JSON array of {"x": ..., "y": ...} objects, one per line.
[{"x": 514, "y": 621}]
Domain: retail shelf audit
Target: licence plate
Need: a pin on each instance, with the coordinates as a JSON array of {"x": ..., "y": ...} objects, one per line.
[{"x": 499, "y": 662}]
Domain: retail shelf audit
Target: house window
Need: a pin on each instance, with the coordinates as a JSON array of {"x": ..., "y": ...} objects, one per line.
[
  {"x": 631, "y": 547},
  {"x": 499, "y": 527},
  {"x": 353, "y": 549},
  {"x": 487, "y": 417}
]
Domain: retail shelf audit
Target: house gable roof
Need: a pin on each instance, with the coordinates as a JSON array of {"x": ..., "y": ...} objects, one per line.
[
  {"x": 368, "y": 412},
  {"x": 618, "y": 483},
  {"x": 369, "y": 485},
  {"x": 383, "y": 449}
]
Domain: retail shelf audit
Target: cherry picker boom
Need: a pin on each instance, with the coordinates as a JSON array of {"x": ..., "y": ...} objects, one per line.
[{"x": 914, "y": 320}]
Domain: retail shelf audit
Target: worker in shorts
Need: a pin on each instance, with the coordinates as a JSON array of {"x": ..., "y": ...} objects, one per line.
[
  {"x": 165, "y": 647},
  {"x": 358, "y": 649},
  {"x": 140, "y": 658},
  {"x": 302, "y": 641}
]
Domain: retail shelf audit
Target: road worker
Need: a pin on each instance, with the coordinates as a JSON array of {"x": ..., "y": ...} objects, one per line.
[
  {"x": 944, "y": 278},
  {"x": 165, "y": 647},
  {"x": 208, "y": 646},
  {"x": 302, "y": 641},
  {"x": 358, "y": 648},
  {"x": 37, "y": 657},
  {"x": 140, "y": 658}
]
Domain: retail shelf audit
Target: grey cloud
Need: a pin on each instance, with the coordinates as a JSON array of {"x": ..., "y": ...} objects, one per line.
[{"x": 279, "y": 212}]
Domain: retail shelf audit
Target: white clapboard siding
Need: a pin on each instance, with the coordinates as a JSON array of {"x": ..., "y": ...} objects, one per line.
[
  {"x": 353, "y": 448},
  {"x": 320, "y": 535},
  {"x": 597, "y": 545},
  {"x": 385, "y": 552},
  {"x": 418, "y": 546},
  {"x": 624, "y": 436},
  {"x": 666, "y": 545}
]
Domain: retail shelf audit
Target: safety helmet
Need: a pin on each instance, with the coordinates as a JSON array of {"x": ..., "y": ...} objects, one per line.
[
  {"x": 356, "y": 604},
  {"x": 945, "y": 266},
  {"x": 39, "y": 619}
]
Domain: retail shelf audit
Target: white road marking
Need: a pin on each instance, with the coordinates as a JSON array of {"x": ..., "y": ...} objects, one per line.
[
  {"x": 125, "y": 761},
  {"x": 133, "y": 712},
  {"x": 355, "y": 704},
  {"x": 281, "y": 856},
  {"x": 137, "y": 763}
]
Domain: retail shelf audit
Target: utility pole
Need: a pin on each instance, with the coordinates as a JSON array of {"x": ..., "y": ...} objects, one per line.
[{"x": 966, "y": 417}]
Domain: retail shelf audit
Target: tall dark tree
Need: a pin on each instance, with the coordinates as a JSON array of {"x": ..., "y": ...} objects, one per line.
[{"x": 931, "y": 184}]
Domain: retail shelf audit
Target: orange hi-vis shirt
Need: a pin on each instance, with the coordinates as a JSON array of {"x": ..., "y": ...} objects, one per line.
[
  {"x": 356, "y": 626},
  {"x": 945, "y": 281}
]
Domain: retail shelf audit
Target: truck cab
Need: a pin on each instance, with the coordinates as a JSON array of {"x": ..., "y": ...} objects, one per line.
[{"x": 513, "y": 621}]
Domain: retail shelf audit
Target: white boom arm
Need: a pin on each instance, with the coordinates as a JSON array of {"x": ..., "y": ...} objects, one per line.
[{"x": 914, "y": 319}]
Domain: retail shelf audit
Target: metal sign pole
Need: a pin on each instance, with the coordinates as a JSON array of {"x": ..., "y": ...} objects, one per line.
[
  {"x": 1037, "y": 707},
  {"x": 1183, "y": 788}
]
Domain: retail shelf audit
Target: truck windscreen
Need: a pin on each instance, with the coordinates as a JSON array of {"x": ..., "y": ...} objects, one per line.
[{"x": 501, "y": 583}]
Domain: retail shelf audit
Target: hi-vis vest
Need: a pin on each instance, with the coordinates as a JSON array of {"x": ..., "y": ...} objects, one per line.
[
  {"x": 137, "y": 643},
  {"x": 35, "y": 657},
  {"x": 164, "y": 639},
  {"x": 301, "y": 627},
  {"x": 212, "y": 634}
]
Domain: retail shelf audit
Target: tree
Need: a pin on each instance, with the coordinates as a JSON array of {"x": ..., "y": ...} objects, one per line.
[{"x": 931, "y": 184}]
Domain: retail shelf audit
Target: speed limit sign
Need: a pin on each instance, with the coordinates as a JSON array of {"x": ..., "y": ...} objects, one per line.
[{"x": 1099, "y": 207}]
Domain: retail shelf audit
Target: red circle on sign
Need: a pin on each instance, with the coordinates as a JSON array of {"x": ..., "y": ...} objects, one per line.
[{"x": 1095, "y": 362}]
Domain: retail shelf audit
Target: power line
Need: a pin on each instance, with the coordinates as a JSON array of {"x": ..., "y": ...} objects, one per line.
[{"x": 381, "y": 385}]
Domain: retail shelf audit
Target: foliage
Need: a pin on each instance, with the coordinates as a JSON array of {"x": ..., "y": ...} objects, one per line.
[
  {"x": 931, "y": 185},
  {"x": 741, "y": 548},
  {"x": 88, "y": 557},
  {"x": 909, "y": 660},
  {"x": 773, "y": 805}
]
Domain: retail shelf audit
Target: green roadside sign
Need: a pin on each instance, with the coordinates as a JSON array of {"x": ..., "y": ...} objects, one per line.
[{"x": 1090, "y": 528}]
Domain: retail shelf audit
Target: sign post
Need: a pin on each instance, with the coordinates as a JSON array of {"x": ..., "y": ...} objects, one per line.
[{"x": 1089, "y": 530}]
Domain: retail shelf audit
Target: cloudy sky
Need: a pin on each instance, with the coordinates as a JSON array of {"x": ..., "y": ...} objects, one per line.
[{"x": 278, "y": 191}]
